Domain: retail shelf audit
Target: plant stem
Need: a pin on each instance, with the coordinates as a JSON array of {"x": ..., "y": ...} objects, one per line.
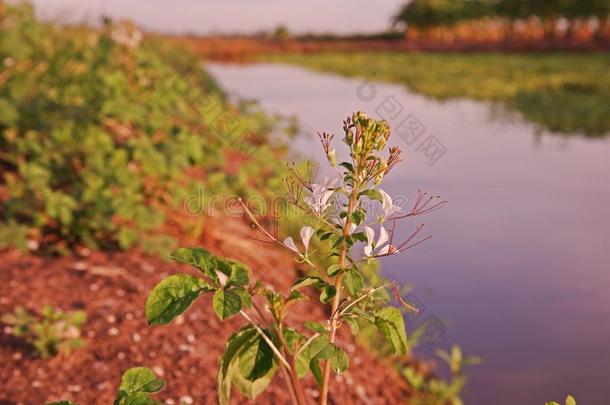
[
  {"x": 337, "y": 299},
  {"x": 294, "y": 377}
]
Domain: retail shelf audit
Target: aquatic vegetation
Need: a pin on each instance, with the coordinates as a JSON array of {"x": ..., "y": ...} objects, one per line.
[{"x": 563, "y": 92}]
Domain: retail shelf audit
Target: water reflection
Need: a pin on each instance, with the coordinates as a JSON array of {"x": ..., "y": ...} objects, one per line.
[{"x": 519, "y": 260}]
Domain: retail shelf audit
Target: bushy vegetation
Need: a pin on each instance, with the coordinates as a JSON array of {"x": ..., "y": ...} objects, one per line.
[
  {"x": 97, "y": 131},
  {"x": 426, "y": 13},
  {"x": 53, "y": 331},
  {"x": 562, "y": 92}
]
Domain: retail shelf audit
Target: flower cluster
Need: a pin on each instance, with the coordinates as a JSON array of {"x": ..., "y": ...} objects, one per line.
[{"x": 126, "y": 34}]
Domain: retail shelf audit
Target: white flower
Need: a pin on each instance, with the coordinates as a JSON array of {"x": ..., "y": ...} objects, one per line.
[
  {"x": 320, "y": 194},
  {"x": 126, "y": 33},
  {"x": 379, "y": 247},
  {"x": 387, "y": 207},
  {"x": 306, "y": 234}
]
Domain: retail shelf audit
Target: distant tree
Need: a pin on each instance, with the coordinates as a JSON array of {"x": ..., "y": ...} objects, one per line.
[{"x": 281, "y": 33}]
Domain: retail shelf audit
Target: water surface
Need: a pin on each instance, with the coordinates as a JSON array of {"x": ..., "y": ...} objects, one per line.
[{"x": 519, "y": 262}]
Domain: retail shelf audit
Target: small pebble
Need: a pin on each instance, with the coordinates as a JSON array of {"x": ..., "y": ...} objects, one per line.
[
  {"x": 186, "y": 399},
  {"x": 147, "y": 267},
  {"x": 111, "y": 318},
  {"x": 91, "y": 334},
  {"x": 113, "y": 331},
  {"x": 129, "y": 316},
  {"x": 152, "y": 355},
  {"x": 17, "y": 356},
  {"x": 94, "y": 287},
  {"x": 120, "y": 293},
  {"x": 120, "y": 355},
  {"x": 170, "y": 402},
  {"x": 74, "y": 388},
  {"x": 36, "y": 384},
  {"x": 136, "y": 337},
  {"x": 80, "y": 266},
  {"x": 191, "y": 338},
  {"x": 158, "y": 371},
  {"x": 32, "y": 244},
  {"x": 8, "y": 330}
]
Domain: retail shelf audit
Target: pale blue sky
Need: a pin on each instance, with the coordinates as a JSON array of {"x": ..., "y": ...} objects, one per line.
[{"x": 204, "y": 16}]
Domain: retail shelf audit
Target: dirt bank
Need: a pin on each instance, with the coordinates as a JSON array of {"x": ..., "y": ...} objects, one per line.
[{"x": 112, "y": 288}]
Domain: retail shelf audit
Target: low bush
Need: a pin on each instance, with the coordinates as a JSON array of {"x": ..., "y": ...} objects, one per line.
[
  {"x": 52, "y": 332},
  {"x": 97, "y": 131}
]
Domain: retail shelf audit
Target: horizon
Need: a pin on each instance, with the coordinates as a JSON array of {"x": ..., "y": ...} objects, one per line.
[{"x": 205, "y": 17}]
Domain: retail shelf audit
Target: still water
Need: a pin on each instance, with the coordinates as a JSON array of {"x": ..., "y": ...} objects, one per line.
[{"x": 519, "y": 264}]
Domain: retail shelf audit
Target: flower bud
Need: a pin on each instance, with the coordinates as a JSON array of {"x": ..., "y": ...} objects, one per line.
[{"x": 332, "y": 157}]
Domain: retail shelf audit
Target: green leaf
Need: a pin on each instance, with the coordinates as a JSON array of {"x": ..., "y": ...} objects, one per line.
[
  {"x": 226, "y": 373},
  {"x": 306, "y": 281},
  {"x": 231, "y": 362},
  {"x": 354, "y": 281},
  {"x": 245, "y": 296},
  {"x": 570, "y": 400},
  {"x": 372, "y": 194},
  {"x": 226, "y": 303},
  {"x": 255, "y": 359},
  {"x": 358, "y": 216},
  {"x": 316, "y": 371},
  {"x": 251, "y": 389},
  {"x": 327, "y": 294},
  {"x": 347, "y": 165},
  {"x": 390, "y": 322},
  {"x": 198, "y": 257},
  {"x": 238, "y": 273},
  {"x": 333, "y": 270},
  {"x": 354, "y": 327},
  {"x": 141, "y": 379},
  {"x": 362, "y": 314},
  {"x": 172, "y": 296},
  {"x": 339, "y": 362},
  {"x": 316, "y": 327}
]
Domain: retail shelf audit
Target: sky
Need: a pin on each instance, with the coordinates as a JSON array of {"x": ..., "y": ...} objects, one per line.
[{"x": 230, "y": 16}]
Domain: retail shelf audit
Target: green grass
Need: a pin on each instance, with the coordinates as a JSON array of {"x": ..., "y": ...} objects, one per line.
[{"x": 562, "y": 92}]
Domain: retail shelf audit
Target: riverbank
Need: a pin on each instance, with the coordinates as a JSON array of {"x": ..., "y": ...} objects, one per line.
[{"x": 562, "y": 92}]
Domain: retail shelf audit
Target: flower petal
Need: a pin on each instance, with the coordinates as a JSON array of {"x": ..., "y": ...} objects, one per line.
[
  {"x": 370, "y": 234},
  {"x": 306, "y": 233},
  {"x": 289, "y": 243},
  {"x": 383, "y": 237}
]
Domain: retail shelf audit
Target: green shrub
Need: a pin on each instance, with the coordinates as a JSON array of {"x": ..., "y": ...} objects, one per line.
[
  {"x": 96, "y": 133},
  {"x": 137, "y": 387},
  {"x": 53, "y": 332}
]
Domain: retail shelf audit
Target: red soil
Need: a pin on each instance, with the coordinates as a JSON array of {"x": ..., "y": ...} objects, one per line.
[{"x": 112, "y": 289}]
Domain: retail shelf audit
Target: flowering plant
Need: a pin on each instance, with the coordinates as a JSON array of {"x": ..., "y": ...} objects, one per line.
[{"x": 337, "y": 213}]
